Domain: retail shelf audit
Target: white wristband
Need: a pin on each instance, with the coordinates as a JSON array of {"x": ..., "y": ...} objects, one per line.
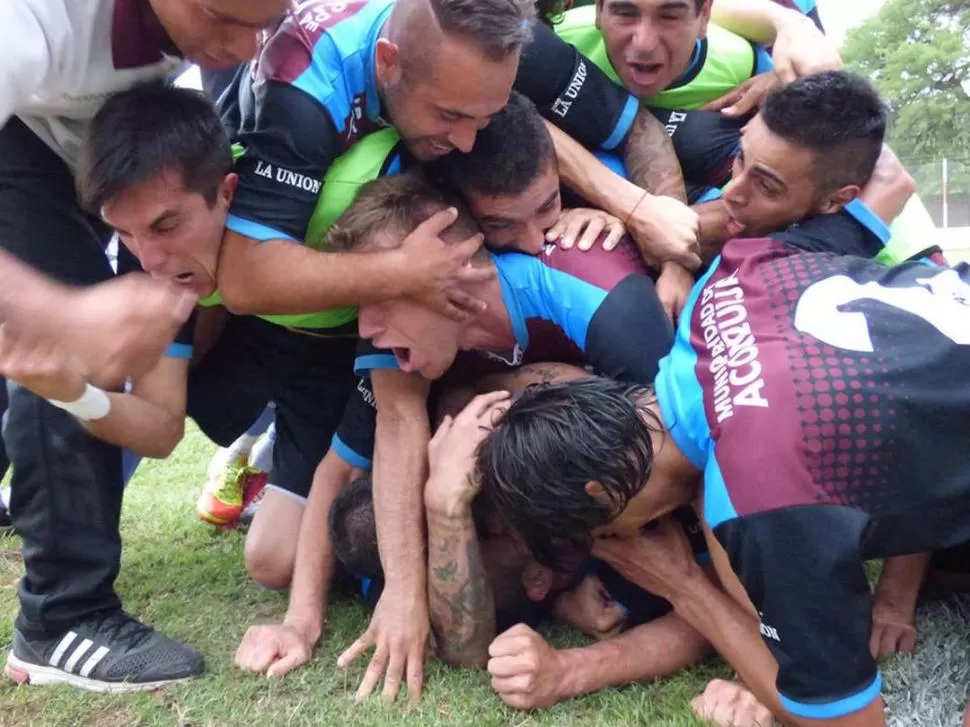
[{"x": 92, "y": 404}]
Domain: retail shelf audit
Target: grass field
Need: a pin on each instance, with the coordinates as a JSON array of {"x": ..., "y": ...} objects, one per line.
[{"x": 189, "y": 581}]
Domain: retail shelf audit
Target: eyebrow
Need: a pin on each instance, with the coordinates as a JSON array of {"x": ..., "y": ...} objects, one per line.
[
  {"x": 549, "y": 200},
  {"x": 455, "y": 112},
  {"x": 164, "y": 217},
  {"x": 763, "y": 171}
]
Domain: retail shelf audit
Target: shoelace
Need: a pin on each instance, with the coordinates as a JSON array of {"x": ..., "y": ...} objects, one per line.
[{"x": 119, "y": 626}]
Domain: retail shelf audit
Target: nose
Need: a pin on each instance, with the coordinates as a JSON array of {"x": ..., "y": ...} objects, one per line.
[
  {"x": 151, "y": 256},
  {"x": 462, "y": 137},
  {"x": 645, "y": 39},
  {"x": 369, "y": 322},
  {"x": 534, "y": 239},
  {"x": 735, "y": 195}
]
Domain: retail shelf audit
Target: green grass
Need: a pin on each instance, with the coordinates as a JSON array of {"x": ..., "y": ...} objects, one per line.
[{"x": 189, "y": 581}]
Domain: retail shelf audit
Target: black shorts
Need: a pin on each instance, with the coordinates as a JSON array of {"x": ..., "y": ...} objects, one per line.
[{"x": 307, "y": 376}]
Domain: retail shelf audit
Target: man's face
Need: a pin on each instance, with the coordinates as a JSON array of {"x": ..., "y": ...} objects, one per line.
[
  {"x": 422, "y": 341},
  {"x": 442, "y": 108},
  {"x": 519, "y": 222},
  {"x": 772, "y": 184},
  {"x": 650, "y": 42},
  {"x": 218, "y": 33},
  {"x": 174, "y": 233}
]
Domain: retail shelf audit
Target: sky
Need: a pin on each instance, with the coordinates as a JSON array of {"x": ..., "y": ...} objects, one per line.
[{"x": 840, "y": 15}]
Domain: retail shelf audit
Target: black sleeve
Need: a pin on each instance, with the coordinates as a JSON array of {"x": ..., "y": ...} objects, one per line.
[
  {"x": 843, "y": 232},
  {"x": 629, "y": 332},
  {"x": 705, "y": 142},
  {"x": 290, "y": 142},
  {"x": 804, "y": 572},
  {"x": 571, "y": 92},
  {"x": 353, "y": 441}
]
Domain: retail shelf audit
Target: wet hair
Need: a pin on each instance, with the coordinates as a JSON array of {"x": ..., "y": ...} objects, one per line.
[
  {"x": 353, "y": 530},
  {"x": 554, "y": 439},
  {"x": 396, "y": 204},
  {"x": 143, "y": 131},
  {"x": 509, "y": 154},
  {"x": 836, "y": 114}
]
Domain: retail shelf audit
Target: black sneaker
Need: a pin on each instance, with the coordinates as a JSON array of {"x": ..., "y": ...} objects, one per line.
[{"x": 111, "y": 653}]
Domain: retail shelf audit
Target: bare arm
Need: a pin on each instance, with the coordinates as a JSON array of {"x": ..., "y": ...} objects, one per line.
[
  {"x": 459, "y": 594},
  {"x": 757, "y": 20},
  {"x": 650, "y": 159},
  {"x": 400, "y": 469},
  {"x": 281, "y": 277},
  {"x": 314, "y": 565},
  {"x": 150, "y": 420},
  {"x": 664, "y": 229},
  {"x": 643, "y": 653}
]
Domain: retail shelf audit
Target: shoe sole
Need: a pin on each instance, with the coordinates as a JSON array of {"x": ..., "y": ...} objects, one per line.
[{"x": 35, "y": 675}]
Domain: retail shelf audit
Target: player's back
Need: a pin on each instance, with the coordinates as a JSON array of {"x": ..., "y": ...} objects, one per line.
[
  {"x": 597, "y": 308},
  {"x": 847, "y": 381}
]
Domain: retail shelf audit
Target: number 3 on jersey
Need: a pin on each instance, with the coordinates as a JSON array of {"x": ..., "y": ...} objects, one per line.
[{"x": 942, "y": 300}]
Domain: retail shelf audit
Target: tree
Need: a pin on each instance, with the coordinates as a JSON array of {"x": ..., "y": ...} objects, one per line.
[{"x": 917, "y": 52}]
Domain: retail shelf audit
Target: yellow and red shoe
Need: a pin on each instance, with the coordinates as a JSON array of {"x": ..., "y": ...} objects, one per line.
[{"x": 223, "y": 497}]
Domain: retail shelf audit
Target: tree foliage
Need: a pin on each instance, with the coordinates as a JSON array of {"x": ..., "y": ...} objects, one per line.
[{"x": 917, "y": 52}]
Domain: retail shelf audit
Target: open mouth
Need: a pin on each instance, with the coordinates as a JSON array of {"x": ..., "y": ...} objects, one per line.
[
  {"x": 184, "y": 278},
  {"x": 646, "y": 72},
  {"x": 403, "y": 358}
]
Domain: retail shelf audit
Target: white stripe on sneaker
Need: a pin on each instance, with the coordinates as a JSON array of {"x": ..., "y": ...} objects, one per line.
[
  {"x": 94, "y": 660},
  {"x": 62, "y": 647},
  {"x": 80, "y": 651}
]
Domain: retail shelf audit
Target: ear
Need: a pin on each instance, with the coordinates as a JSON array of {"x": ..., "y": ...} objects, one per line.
[
  {"x": 537, "y": 581},
  {"x": 704, "y": 17},
  {"x": 227, "y": 190},
  {"x": 388, "y": 63},
  {"x": 838, "y": 199},
  {"x": 596, "y": 490}
]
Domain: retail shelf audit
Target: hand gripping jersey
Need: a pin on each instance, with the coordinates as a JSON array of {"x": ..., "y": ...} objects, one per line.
[
  {"x": 64, "y": 58},
  {"x": 313, "y": 93},
  {"x": 594, "y": 308},
  {"x": 826, "y": 398}
]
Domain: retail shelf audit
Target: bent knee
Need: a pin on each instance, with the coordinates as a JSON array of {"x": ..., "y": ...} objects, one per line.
[{"x": 268, "y": 567}]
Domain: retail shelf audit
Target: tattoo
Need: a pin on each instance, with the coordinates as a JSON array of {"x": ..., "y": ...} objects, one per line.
[
  {"x": 459, "y": 594},
  {"x": 650, "y": 160}
]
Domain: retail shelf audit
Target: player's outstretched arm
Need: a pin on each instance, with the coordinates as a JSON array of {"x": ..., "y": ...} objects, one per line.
[
  {"x": 278, "y": 649},
  {"x": 148, "y": 420},
  {"x": 399, "y": 628},
  {"x": 282, "y": 277},
  {"x": 527, "y": 673},
  {"x": 894, "y": 605}
]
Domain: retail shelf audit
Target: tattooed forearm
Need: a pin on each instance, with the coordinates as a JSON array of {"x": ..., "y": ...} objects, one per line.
[
  {"x": 650, "y": 159},
  {"x": 459, "y": 594}
]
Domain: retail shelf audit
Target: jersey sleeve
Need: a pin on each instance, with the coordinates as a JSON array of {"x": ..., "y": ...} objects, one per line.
[
  {"x": 802, "y": 569},
  {"x": 181, "y": 347},
  {"x": 26, "y": 55},
  {"x": 369, "y": 357},
  {"x": 629, "y": 332},
  {"x": 288, "y": 147},
  {"x": 853, "y": 231},
  {"x": 571, "y": 92},
  {"x": 353, "y": 441}
]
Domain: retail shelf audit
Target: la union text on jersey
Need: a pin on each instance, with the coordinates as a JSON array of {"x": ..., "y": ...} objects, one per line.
[{"x": 732, "y": 351}]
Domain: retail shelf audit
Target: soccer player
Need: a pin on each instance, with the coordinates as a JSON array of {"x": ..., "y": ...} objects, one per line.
[
  {"x": 61, "y": 60},
  {"x": 802, "y": 385}
]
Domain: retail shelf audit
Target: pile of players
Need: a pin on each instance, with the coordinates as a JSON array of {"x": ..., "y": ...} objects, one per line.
[{"x": 606, "y": 314}]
